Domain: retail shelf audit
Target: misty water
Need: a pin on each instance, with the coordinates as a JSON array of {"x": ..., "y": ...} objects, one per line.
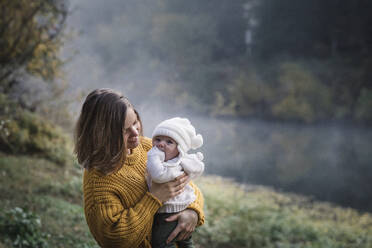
[{"x": 329, "y": 162}]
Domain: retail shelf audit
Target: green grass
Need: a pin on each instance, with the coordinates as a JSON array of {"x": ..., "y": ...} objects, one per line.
[
  {"x": 52, "y": 192},
  {"x": 236, "y": 215},
  {"x": 254, "y": 216}
]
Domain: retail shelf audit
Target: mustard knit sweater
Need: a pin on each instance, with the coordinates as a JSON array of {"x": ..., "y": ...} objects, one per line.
[{"x": 119, "y": 209}]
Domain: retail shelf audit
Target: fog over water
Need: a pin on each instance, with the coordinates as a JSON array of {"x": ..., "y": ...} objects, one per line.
[{"x": 330, "y": 162}]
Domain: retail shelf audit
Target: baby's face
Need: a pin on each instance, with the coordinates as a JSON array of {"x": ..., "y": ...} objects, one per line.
[{"x": 167, "y": 145}]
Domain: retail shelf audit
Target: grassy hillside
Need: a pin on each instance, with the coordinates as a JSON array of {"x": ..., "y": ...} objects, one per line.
[
  {"x": 255, "y": 216},
  {"x": 46, "y": 191},
  {"x": 34, "y": 189}
]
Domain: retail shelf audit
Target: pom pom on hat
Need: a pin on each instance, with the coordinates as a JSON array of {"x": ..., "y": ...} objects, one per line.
[
  {"x": 197, "y": 141},
  {"x": 181, "y": 130},
  {"x": 200, "y": 156}
]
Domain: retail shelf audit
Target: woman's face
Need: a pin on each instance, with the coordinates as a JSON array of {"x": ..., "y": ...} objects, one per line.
[
  {"x": 167, "y": 145},
  {"x": 132, "y": 127}
]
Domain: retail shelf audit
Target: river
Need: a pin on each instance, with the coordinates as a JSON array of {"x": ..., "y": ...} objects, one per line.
[{"x": 328, "y": 162}]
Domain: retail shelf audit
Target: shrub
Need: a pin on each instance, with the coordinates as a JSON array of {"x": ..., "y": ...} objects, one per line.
[
  {"x": 22, "y": 228},
  {"x": 24, "y": 132},
  {"x": 302, "y": 96}
]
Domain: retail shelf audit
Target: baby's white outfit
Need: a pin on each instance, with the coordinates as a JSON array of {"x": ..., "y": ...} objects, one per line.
[{"x": 160, "y": 171}]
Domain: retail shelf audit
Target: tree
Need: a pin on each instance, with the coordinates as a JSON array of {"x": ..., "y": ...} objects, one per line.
[
  {"x": 223, "y": 18},
  {"x": 30, "y": 37},
  {"x": 320, "y": 28}
]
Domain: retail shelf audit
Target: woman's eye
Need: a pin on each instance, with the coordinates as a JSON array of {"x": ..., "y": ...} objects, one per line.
[{"x": 169, "y": 142}]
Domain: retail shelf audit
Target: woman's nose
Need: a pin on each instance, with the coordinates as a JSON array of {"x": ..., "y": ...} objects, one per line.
[
  {"x": 134, "y": 131},
  {"x": 161, "y": 144}
]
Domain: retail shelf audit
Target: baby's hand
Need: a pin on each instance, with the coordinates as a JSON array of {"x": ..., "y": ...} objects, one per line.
[{"x": 156, "y": 152}]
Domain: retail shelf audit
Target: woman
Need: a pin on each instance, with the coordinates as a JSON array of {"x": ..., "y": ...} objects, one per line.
[{"x": 118, "y": 206}]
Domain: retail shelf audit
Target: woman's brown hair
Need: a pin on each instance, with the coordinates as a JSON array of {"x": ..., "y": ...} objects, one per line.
[
  {"x": 140, "y": 123},
  {"x": 99, "y": 132}
]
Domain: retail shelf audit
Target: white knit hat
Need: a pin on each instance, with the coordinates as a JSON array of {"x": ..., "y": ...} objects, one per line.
[{"x": 181, "y": 130}]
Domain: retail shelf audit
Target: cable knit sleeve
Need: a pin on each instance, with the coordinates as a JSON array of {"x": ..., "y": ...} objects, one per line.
[
  {"x": 118, "y": 208},
  {"x": 198, "y": 204},
  {"x": 115, "y": 226}
]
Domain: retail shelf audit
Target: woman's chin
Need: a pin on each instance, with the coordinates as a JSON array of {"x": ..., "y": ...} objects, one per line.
[{"x": 133, "y": 143}]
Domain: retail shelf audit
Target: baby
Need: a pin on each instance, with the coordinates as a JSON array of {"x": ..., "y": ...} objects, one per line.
[{"x": 168, "y": 159}]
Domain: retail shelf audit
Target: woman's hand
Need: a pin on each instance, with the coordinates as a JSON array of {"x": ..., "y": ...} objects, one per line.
[
  {"x": 165, "y": 191},
  {"x": 187, "y": 221}
]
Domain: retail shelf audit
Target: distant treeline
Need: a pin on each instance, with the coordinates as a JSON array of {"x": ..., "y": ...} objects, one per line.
[{"x": 304, "y": 61}]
